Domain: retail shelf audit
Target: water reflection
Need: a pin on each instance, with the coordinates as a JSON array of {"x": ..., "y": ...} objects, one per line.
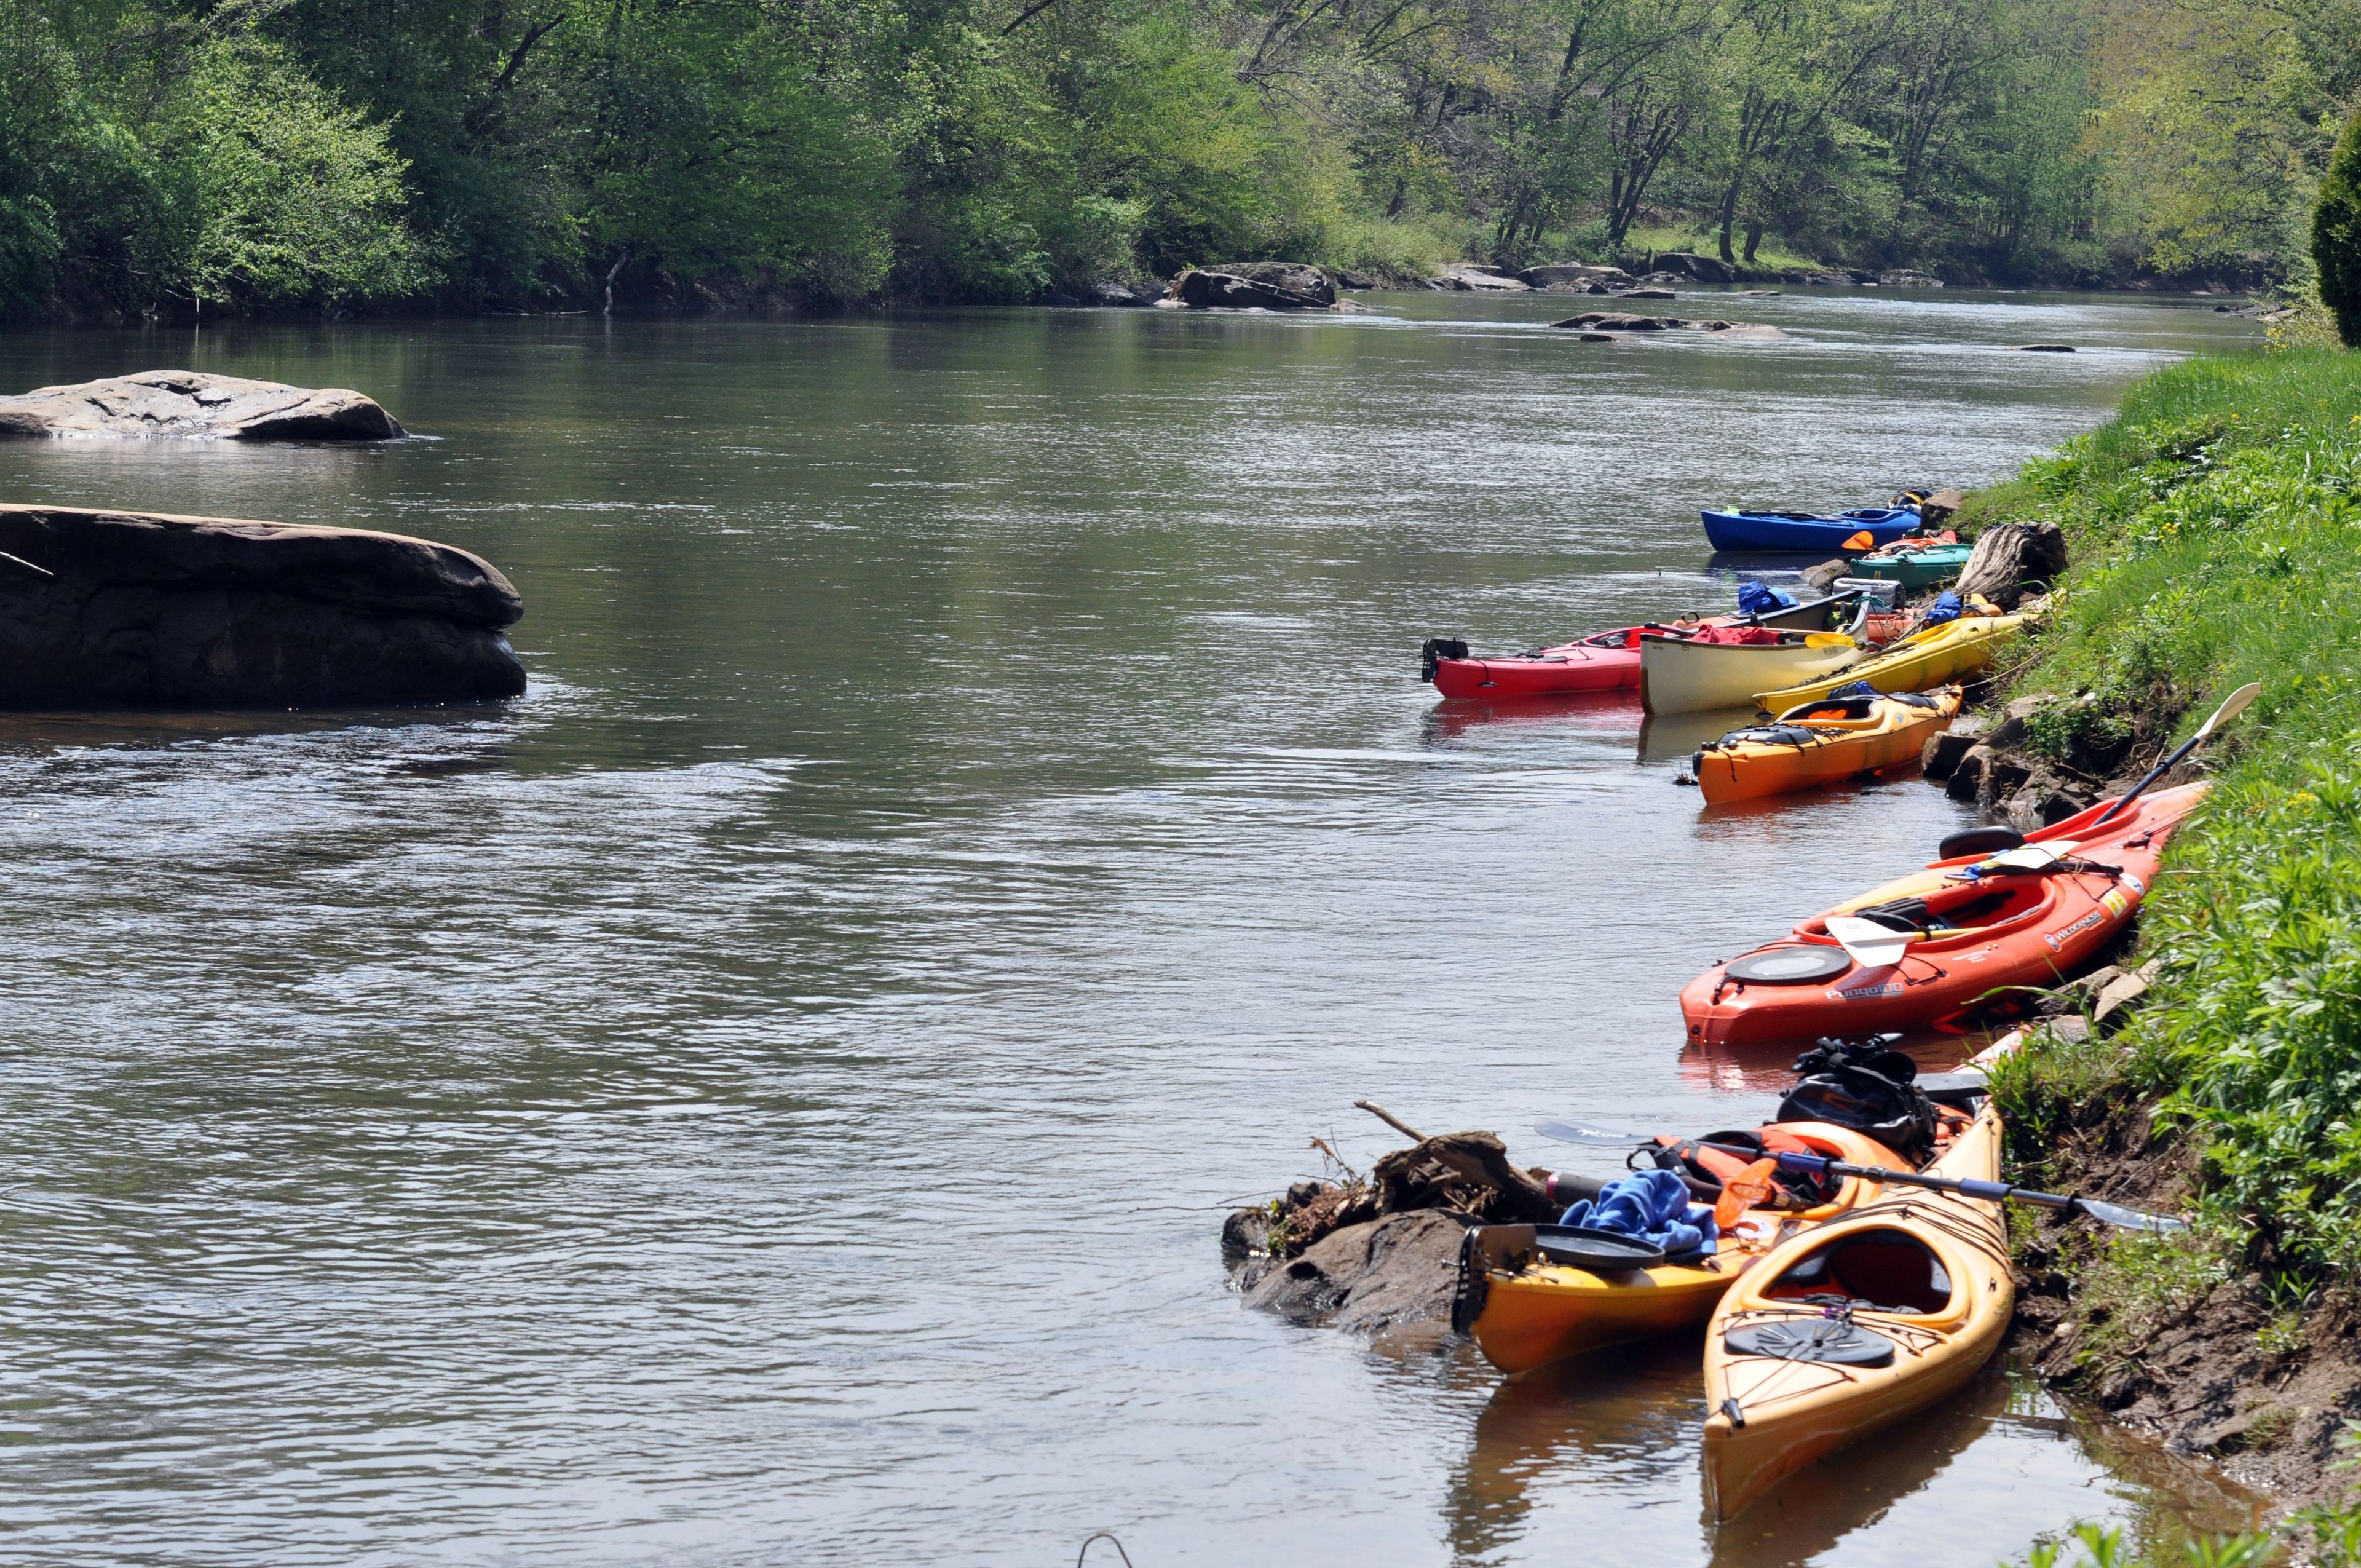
[
  {"x": 1608, "y": 1423},
  {"x": 1607, "y": 1444}
]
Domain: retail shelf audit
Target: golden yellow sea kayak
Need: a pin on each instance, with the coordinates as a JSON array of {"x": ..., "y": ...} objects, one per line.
[
  {"x": 1855, "y": 1324},
  {"x": 1524, "y": 1311},
  {"x": 1926, "y": 658}
]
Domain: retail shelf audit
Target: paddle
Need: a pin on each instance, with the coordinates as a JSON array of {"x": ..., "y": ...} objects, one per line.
[
  {"x": 1828, "y": 640},
  {"x": 1867, "y": 943},
  {"x": 1820, "y": 1165},
  {"x": 2232, "y": 706}
]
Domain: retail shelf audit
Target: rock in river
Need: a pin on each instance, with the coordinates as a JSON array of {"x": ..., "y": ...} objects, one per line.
[
  {"x": 192, "y": 405},
  {"x": 116, "y": 609},
  {"x": 1398, "y": 1269},
  {"x": 1249, "y": 285},
  {"x": 1569, "y": 278}
]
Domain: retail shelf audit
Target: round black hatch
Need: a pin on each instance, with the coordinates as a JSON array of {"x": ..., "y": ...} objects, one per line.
[{"x": 1790, "y": 966}]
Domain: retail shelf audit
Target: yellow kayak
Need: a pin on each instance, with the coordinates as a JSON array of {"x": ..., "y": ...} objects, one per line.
[
  {"x": 1820, "y": 743},
  {"x": 1925, "y": 658},
  {"x": 1855, "y": 1324},
  {"x": 1525, "y": 1312}
]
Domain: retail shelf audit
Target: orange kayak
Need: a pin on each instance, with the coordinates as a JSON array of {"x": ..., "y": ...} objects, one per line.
[
  {"x": 1821, "y": 742},
  {"x": 1855, "y": 1324},
  {"x": 1958, "y": 930}
]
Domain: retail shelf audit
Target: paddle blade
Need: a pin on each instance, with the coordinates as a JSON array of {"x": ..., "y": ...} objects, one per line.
[
  {"x": 2124, "y": 1219},
  {"x": 1749, "y": 1189},
  {"x": 1866, "y": 942},
  {"x": 1827, "y": 639},
  {"x": 2237, "y": 702},
  {"x": 2024, "y": 858},
  {"x": 1861, "y": 540},
  {"x": 1577, "y": 1133}
]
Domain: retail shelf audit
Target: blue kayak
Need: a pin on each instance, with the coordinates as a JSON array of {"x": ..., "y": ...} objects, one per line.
[{"x": 1801, "y": 531}]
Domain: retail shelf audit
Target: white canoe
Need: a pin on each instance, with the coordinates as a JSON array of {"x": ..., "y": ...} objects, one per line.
[{"x": 1678, "y": 676}]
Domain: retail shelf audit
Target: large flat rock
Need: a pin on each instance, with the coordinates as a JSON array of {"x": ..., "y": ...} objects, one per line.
[
  {"x": 114, "y": 610},
  {"x": 192, "y": 405}
]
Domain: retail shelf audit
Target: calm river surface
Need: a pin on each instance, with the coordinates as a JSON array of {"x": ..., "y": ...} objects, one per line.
[{"x": 770, "y": 1095}]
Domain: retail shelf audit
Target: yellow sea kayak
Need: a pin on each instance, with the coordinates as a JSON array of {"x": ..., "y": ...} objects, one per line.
[
  {"x": 1854, "y": 1324},
  {"x": 1524, "y": 1311},
  {"x": 1925, "y": 658},
  {"x": 1822, "y": 741}
]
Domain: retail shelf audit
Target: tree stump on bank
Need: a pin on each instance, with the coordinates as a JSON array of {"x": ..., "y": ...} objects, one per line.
[{"x": 2012, "y": 556}]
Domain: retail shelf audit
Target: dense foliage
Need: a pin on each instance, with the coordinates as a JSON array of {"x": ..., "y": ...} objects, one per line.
[
  {"x": 2336, "y": 235},
  {"x": 164, "y": 155},
  {"x": 2215, "y": 525}
]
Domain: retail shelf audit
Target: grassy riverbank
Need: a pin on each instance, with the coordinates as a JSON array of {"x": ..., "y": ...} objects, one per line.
[{"x": 2216, "y": 527}]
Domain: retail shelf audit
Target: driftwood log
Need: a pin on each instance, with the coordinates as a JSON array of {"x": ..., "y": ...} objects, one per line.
[{"x": 2009, "y": 557}]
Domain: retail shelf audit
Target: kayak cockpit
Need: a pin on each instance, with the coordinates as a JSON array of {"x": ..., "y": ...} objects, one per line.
[
  {"x": 1873, "y": 1270},
  {"x": 1966, "y": 912}
]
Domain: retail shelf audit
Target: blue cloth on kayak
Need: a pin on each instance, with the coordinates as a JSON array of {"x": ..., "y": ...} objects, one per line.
[
  {"x": 1652, "y": 1206},
  {"x": 1859, "y": 688},
  {"x": 1947, "y": 608},
  {"x": 1757, "y": 598}
]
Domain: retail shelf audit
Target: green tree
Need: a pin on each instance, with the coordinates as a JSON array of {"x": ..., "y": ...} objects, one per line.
[
  {"x": 2336, "y": 235},
  {"x": 289, "y": 197}
]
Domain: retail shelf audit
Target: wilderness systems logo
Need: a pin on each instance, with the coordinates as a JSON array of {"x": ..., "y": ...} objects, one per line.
[
  {"x": 2058, "y": 939},
  {"x": 1864, "y": 993}
]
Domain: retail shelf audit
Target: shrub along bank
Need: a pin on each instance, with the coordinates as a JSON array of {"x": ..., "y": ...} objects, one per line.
[{"x": 2216, "y": 532}]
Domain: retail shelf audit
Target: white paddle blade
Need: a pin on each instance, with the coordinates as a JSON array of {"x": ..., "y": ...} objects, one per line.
[
  {"x": 2124, "y": 1219},
  {"x": 1866, "y": 942},
  {"x": 1575, "y": 1133},
  {"x": 2237, "y": 702},
  {"x": 2029, "y": 857}
]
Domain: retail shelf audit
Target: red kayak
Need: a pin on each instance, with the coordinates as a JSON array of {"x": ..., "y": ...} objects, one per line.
[
  {"x": 1607, "y": 662},
  {"x": 1924, "y": 950}
]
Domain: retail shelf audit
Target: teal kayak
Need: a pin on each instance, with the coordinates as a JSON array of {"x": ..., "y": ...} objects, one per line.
[{"x": 1917, "y": 569}]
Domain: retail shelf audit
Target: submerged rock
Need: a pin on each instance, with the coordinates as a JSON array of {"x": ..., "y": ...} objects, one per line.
[
  {"x": 192, "y": 405},
  {"x": 1621, "y": 321},
  {"x": 116, "y": 609}
]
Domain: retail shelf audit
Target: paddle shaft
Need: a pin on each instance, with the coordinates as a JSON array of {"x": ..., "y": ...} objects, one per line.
[
  {"x": 2154, "y": 774},
  {"x": 2232, "y": 706},
  {"x": 1966, "y": 1187}
]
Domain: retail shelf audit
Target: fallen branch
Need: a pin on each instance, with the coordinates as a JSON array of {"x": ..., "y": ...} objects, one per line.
[{"x": 1390, "y": 1120}]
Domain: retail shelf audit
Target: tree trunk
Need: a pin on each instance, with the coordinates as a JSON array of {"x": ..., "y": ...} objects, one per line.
[
  {"x": 1753, "y": 238},
  {"x": 2011, "y": 557},
  {"x": 1730, "y": 216}
]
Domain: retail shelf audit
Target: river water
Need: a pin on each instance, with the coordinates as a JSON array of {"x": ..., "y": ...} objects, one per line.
[{"x": 770, "y": 1095}]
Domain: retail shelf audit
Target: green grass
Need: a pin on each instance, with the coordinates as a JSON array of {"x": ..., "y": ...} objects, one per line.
[
  {"x": 2215, "y": 531},
  {"x": 2215, "y": 528}
]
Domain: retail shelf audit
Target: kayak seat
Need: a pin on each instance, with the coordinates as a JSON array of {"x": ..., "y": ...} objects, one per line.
[
  {"x": 1915, "y": 915},
  {"x": 1877, "y": 1270}
]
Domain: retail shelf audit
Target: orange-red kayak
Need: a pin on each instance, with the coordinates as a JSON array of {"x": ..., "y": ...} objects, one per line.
[{"x": 1968, "y": 926}]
